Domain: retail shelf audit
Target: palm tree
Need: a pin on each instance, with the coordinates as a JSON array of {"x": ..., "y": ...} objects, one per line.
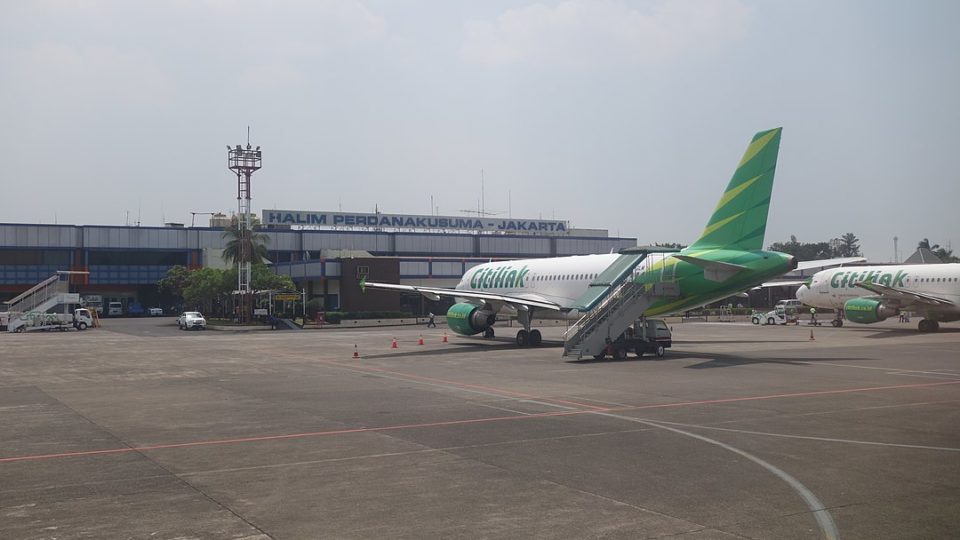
[{"x": 254, "y": 246}]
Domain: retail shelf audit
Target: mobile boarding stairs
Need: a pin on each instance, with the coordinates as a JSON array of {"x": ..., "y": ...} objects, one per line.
[
  {"x": 27, "y": 311},
  {"x": 614, "y": 300}
]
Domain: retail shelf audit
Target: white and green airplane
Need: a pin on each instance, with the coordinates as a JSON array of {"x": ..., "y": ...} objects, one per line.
[
  {"x": 727, "y": 259},
  {"x": 869, "y": 294}
]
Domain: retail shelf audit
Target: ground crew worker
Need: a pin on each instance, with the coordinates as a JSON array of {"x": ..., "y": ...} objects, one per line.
[
  {"x": 813, "y": 316},
  {"x": 430, "y": 323}
]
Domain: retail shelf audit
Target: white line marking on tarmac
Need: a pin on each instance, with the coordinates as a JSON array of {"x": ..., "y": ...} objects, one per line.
[
  {"x": 944, "y": 376},
  {"x": 879, "y": 368},
  {"x": 550, "y": 404},
  {"x": 820, "y": 512},
  {"x": 809, "y": 438},
  {"x": 500, "y": 408}
]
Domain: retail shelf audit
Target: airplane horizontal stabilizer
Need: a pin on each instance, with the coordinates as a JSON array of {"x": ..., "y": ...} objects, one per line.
[{"x": 713, "y": 270}]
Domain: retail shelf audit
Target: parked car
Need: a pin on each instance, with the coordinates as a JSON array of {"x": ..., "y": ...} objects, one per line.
[
  {"x": 155, "y": 312},
  {"x": 191, "y": 320},
  {"x": 789, "y": 304}
]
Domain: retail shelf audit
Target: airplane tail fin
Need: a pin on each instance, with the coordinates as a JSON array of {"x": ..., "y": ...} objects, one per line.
[{"x": 740, "y": 219}]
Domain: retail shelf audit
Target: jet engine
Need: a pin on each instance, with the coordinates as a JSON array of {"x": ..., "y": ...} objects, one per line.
[
  {"x": 866, "y": 311},
  {"x": 468, "y": 319}
]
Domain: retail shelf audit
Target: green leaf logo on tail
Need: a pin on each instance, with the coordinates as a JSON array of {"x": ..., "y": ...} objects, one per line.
[
  {"x": 740, "y": 219},
  {"x": 363, "y": 284}
]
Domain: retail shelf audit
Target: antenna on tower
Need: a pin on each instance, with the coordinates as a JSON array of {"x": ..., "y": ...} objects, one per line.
[{"x": 483, "y": 208}]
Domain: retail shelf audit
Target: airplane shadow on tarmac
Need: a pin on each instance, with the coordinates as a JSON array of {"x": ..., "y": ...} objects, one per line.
[
  {"x": 883, "y": 333},
  {"x": 729, "y": 360},
  {"x": 716, "y": 360},
  {"x": 487, "y": 345}
]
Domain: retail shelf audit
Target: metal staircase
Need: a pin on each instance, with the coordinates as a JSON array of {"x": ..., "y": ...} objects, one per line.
[
  {"x": 613, "y": 304},
  {"x": 39, "y": 299}
]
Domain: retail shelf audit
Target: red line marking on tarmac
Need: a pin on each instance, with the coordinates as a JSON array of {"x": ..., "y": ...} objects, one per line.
[
  {"x": 285, "y": 436},
  {"x": 456, "y": 422},
  {"x": 506, "y": 393}
]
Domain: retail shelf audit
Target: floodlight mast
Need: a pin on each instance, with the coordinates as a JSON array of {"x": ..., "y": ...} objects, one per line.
[{"x": 244, "y": 162}]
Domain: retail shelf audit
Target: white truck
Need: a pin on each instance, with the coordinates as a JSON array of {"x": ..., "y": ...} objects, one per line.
[{"x": 80, "y": 319}]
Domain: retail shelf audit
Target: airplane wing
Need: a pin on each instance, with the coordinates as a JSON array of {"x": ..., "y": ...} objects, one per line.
[
  {"x": 781, "y": 283},
  {"x": 900, "y": 294},
  {"x": 810, "y": 265},
  {"x": 434, "y": 293},
  {"x": 823, "y": 263}
]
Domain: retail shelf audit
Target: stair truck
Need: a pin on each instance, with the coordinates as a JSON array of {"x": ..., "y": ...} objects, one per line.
[{"x": 80, "y": 319}]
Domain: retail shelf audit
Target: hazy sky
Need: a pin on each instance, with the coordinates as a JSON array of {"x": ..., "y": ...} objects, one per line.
[{"x": 612, "y": 114}]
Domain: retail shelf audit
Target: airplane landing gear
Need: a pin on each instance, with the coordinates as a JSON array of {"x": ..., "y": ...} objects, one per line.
[
  {"x": 928, "y": 325},
  {"x": 528, "y": 337},
  {"x": 488, "y": 333},
  {"x": 531, "y": 338},
  {"x": 838, "y": 321}
]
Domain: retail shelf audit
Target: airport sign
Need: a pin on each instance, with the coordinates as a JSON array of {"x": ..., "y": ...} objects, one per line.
[{"x": 380, "y": 221}]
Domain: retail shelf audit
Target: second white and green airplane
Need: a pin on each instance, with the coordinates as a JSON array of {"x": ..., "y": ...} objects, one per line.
[
  {"x": 727, "y": 259},
  {"x": 870, "y": 294}
]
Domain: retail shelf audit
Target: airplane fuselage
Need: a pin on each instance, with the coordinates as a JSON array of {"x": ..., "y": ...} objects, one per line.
[{"x": 563, "y": 280}]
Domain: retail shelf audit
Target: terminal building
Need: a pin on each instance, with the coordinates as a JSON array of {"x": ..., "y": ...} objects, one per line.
[{"x": 325, "y": 253}]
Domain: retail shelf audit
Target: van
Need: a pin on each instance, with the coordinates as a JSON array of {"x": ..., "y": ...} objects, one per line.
[
  {"x": 643, "y": 336},
  {"x": 789, "y": 304},
  {"x": 114, "y": 309}
]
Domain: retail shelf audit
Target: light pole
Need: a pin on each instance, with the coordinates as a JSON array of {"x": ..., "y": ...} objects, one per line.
[{"x": 244, "y": 162}]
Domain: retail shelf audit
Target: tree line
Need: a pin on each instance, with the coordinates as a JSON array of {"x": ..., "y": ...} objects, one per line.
[{"x": 847, "y": 245}]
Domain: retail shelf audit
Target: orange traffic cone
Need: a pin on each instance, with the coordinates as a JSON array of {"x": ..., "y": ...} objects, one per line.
[
  {"x": 420, "y": 341},
  {"x": 811, "y": 335},
  {"x": 445, "y": 338},
  {"x": 356, "y": 354},
  {"x": 393, "y": 344}
]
